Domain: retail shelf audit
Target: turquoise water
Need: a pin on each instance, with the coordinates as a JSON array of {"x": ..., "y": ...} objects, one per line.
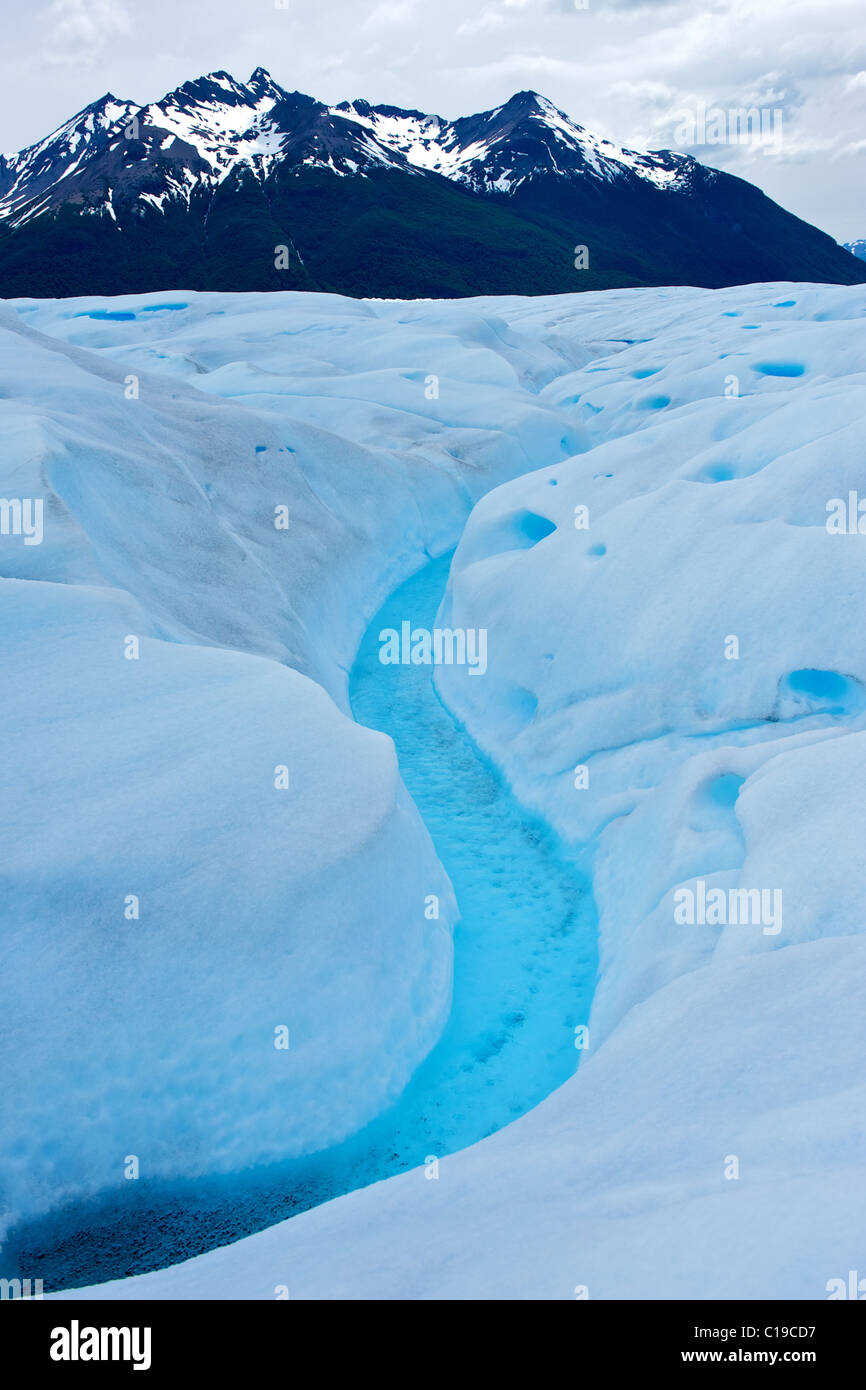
[
  {"x": 524, "y": 972},
  {"x": 524, "y": 957}
]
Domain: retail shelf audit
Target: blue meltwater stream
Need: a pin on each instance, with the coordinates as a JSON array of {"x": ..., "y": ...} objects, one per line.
[
  {"x": 524, "y": 972},
  {"x": 524, "y": 948}
]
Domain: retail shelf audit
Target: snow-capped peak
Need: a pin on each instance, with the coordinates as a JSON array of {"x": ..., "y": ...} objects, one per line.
[
  {"x": 261, "y": 82},
  {"x": 28, "y": 177},
  {"x": 224, "y": 121},
  {"x": 498, "y": 150},
  {"x": 208, "y": 127}
]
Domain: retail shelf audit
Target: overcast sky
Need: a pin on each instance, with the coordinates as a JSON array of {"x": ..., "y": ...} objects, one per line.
[{"x": 628, "y": 69}]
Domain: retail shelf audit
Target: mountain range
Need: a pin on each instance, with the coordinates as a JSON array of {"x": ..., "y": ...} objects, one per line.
[{"x": 224, "y": 185}]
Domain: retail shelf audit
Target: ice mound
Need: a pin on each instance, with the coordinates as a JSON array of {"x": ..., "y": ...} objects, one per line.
[
  {"x": 691, "y": 644},
  {"x": 170, "y": 906}
]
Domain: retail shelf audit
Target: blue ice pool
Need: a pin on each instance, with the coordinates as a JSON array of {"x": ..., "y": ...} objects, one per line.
[{"x": 524, "y": 972}]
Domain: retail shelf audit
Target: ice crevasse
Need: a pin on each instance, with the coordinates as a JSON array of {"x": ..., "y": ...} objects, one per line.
[{"x": 215, "y": 946}]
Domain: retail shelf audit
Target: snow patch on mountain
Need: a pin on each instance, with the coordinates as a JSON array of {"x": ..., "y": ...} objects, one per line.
[
  {"x": 29, "y": 178},
  {"x": 207, "y": 128},
  {"x": 478, "y": 150}
]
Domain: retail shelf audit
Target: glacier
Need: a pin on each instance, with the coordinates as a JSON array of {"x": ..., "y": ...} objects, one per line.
[
  {"x": 638, "y": 484},
  {"x": 200, "y": 520}
]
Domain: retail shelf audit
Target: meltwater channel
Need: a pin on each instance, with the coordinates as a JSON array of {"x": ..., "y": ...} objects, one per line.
[{"x": 524, "y": 972}]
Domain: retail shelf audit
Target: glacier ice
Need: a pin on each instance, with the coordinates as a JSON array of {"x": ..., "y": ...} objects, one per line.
[
  {"x": 704, "y": 433},
  {"x": 169, "y": 649}
]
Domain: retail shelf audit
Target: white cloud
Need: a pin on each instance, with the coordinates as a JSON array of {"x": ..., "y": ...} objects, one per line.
[
  {"x": 389, "y": 12},
  {"x": 486, "y": 23},
  {"x": 77, "y": 31}
]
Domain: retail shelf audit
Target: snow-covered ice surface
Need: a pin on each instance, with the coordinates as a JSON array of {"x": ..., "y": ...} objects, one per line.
[{"x": 697, "y": 649}]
